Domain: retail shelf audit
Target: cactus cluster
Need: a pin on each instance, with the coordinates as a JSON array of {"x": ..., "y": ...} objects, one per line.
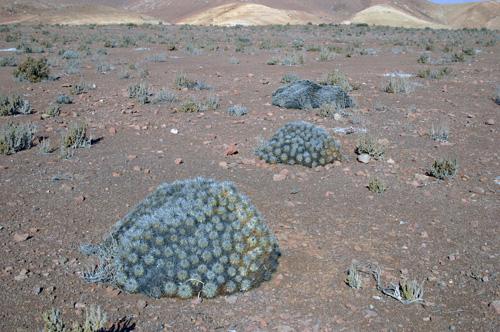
[
  {"x": 188, "y": 238},
  {"x": 301, "y": 143}
]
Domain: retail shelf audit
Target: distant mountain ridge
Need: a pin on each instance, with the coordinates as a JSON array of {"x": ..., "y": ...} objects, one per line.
[{"x": 408, "y": 13}]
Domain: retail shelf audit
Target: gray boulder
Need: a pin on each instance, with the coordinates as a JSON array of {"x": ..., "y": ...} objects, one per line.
[{"x": 308, "y": 94}]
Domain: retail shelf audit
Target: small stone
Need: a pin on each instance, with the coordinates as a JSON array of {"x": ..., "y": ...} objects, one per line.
[
  {"x": 279, "y": 177},
  {"x": 477, "y": 190},
  {"x": 80, "y": 305},
  {"x": 364, "y": 158},
  {"x": 232, "y": 149},
  {"x": 337, "y": 116},
  {"x": 427, "y": 319},
  {"x": 23, "y": 274},
  {"x": 131, "y": 156},
  {"x": 116, "y": 174},
  {"x": 223, "y": 165},
  {"x": 370, "y": 313},
  {"x": 391, "y": 161},
  {"x": 174, "y": 131},
  {"x": 495, "y": 305},
  {"x": 231, "y": 299},
  {"x": 141, "y": 304},
  {"x": 112, "y": 130},
  {"x": 37, "y": 290},
  {"x": 21, "y": 237},
  {"x": 80, "y": 199},
  {"x": 137, "y": 168},
  {"x": 178, "y": 161},
  {"x": 490, "y": 122}
]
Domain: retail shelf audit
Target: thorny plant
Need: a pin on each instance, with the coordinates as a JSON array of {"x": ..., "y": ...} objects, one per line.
[{"x": 406, "y": 292}]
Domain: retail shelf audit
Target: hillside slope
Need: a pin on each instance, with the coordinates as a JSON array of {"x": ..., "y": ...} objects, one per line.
[{"x": 407, "y": 13}]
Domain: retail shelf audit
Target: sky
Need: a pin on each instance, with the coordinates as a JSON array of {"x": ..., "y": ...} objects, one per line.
[{"x": 454, "y": 1}]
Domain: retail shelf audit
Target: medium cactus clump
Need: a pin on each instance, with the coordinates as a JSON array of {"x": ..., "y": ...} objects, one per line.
[
  {"x": 188, "y": 238},
  {"x": 300, "y": 143}
]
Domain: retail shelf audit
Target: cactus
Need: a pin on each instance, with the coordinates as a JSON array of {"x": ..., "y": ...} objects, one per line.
[
  {"x": 300, "y": 143},
  {"x": 188, "y": 238}
]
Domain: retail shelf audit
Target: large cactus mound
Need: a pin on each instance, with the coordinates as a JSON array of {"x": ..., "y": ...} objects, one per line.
[
  {"x": 300, "y": 143},
  {"x": 188, "y": 238}
]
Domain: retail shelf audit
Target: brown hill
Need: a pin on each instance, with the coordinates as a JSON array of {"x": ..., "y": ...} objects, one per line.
[{"x": 408, "y": 13}]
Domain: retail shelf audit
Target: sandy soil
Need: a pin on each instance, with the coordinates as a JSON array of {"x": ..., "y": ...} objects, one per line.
[{"x": 443, "y": 232}]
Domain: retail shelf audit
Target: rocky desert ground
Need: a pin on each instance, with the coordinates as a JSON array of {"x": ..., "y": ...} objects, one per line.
[{"x": 94, "y": 118}]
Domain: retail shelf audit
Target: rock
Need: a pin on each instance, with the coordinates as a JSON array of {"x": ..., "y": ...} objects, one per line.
[
  {"x": 80, "y": 305},
  {"x": 23, "y": 274},
  {"x": 364, "y": 158},
  {"x": 174, "y": 131},
  {"x": 369, "y": 313},
  {"x": 279, "y": 177},
  {"x": 422, "y": 178},
  {"x": 80, "y": 199},
  {"x": 477, "y": 190},
  {"x": 37, "y": 290},
  {"x": 223, "y": 165},
  {"x": 141, "y": 304},
  {"x": 490, "y": 122},
  {"x": 21, "y": 237},
  {"x": 231, "y": 299},
  {"x": 178, "y": 161},
  {"x": 308, "y": 94},
  {"x": 231, "y": 149},
  {"x": 495, "y": 305},
  {"x": 391, "y": 161}
]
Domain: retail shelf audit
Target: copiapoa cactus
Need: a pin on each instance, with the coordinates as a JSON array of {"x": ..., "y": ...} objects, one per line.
[
  {"x": 302, "y": 143},
  {"x": 188, "y": 238}
]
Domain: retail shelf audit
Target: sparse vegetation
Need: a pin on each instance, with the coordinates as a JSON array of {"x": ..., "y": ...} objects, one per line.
[
  {"x": 16, "y": 137},
  {"x": 12, "y": 105},
  {"x": 367, "y": 144},
  {"x": 440, "y": 132},
  {"x": 52, "y": 111},
  {"x": 353, "y": 279},
  {"x": 95, "y": 321},
  {"x": 189, "y": 106},
  {"x": 45, "y": 146},
  {"x": 406, "y": 292},
  {"x": 211, "y": 103},
  {"x": 398, "y": 84},
  {"x": 376, "y": 186},
  {"x": 435, "y": 74},
  {"x": 83, "y": 87},
  {"x": 164, "y": 96},
  {"x": 33, "y": 70},
  {"x": 183, "y": 82},
  {"x": 140, "y": 92},
  {"x": 337, "y": 78},
  {"x": 237, "y": 110},
  {"x": 75, "y": 137},
  {"x": 8, "y": 61},
  {"x": 64, "y": 99},
  {"x": 443, "y": 169},
  {"x": 289, "y": 78}
]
